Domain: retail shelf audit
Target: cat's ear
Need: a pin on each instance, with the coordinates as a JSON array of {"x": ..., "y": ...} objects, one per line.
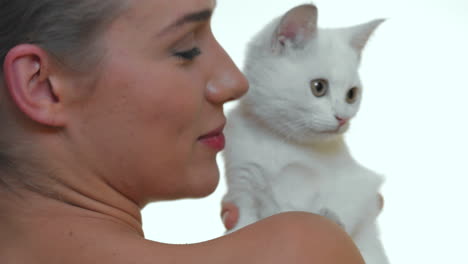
[
  {"x": 295, "y": 29},
  {"x": 360, "y": 34}
]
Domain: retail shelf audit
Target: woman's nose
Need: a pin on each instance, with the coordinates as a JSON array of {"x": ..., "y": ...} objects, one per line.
[{"x": 227, "y": 82}]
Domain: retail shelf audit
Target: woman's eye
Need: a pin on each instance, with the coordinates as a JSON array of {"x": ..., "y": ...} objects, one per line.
[{"x": 188, "y": 54}]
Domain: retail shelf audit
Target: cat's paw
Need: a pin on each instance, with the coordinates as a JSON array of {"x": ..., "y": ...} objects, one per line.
[
  {"x": 327, "y": 213},
  {"x": 229, "y": 215}
]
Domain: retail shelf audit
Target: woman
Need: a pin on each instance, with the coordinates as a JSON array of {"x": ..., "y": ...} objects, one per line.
[{"x": 107, "y": 106}]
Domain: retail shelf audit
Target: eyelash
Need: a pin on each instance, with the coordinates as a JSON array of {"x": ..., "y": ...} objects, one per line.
[{"x": 188, "y": 55}]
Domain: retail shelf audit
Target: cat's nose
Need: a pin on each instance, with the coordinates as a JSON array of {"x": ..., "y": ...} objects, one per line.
[{"x": 341, "y": 120}]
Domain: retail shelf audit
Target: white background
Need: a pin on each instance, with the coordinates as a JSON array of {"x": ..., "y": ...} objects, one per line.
[{"x": 412, "y": 126}]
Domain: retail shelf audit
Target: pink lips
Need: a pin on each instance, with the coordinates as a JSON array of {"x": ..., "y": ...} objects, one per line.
[{"x": 214, "y": 139}]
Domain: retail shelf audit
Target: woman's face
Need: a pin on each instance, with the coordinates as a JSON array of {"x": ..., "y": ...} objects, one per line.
[{"x": 152, "y": 124}]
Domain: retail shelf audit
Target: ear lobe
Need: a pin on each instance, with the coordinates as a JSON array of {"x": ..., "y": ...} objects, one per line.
[
  {"x": 360, "y": 34},
  {"x": 27, "y": 78},
  {"x": 296, "y": 28}
]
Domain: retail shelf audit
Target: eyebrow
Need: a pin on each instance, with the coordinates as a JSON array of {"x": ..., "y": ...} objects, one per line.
[{"x": 194, "y": 17}]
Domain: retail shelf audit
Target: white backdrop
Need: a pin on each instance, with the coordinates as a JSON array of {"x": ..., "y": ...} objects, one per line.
[{"x": 411, "y": 127}]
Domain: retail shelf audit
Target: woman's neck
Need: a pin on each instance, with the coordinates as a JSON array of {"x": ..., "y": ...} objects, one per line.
[
  {"x": 62, "y": 228},
  {"x": 67, "y": 201}
]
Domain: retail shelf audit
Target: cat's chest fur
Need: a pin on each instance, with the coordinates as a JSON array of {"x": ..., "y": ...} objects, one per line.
[
  {"x": 299, "y": 177},
  {"x": 327, "y": 160}
]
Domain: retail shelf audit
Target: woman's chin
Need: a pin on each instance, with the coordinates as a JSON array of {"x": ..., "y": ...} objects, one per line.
[{"x": 205, "y": 186}]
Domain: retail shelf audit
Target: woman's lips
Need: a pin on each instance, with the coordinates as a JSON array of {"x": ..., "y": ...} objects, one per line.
[{"x": 214, "y": 139}]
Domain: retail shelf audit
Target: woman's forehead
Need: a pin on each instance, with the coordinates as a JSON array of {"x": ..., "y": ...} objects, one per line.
[
  {"x": 167, "y": 8},
  {"x": 159, "y": 14}
]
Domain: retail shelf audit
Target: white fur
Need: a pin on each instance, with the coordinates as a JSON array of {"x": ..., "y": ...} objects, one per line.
[{"x": 285, "y": 150}]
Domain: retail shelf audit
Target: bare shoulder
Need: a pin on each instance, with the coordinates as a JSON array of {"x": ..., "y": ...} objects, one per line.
[
  {"x": 294, "y": 238},
  {"x": 284, "y": 238}
]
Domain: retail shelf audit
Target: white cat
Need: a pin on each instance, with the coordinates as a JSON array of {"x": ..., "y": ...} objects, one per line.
[{"x": 285, "y": 149}]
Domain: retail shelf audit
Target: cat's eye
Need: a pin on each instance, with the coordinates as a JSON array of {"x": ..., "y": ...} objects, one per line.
[
  {"x": 319, "y": 87},
  {"x": 352, "y": 95}
]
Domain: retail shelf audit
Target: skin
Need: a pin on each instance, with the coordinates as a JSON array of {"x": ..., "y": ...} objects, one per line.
[
  {"x": 108, "y": 142},
  {"x": 230, "y": 213}
]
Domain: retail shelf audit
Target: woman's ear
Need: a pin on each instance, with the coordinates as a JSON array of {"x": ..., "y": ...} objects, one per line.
[{"x": 27, "y": 71}]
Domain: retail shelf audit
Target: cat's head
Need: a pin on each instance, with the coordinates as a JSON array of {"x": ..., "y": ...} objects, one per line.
[{"x": 304, "y": 80}]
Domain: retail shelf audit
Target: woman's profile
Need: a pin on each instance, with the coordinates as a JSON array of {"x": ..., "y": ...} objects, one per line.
[{"x": 108, "y": 105}]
